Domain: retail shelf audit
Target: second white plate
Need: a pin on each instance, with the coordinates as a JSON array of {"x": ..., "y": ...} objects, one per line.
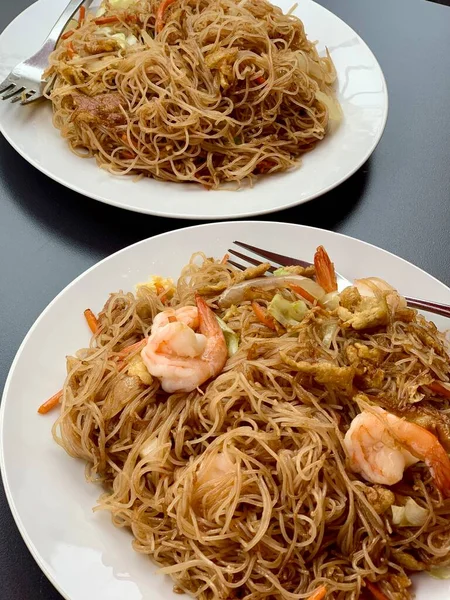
[
  {"x": 361, "y": 92},
  {"x": 81, "y": 552}
]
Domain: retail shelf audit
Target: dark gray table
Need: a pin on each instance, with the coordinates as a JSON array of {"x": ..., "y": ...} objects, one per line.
[{"x": 399, "y": 200}]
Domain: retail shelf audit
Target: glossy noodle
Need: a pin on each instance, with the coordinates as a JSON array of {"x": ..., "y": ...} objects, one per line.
[
  {"x": 205, "y": 91},
  {"x": 248, "y": 486}
]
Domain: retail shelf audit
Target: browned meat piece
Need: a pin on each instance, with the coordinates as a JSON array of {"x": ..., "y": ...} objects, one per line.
[
  {"x": 323, "y": 372},
  {"x": 100, "y": 45},
  {"x": 103, "y": 109},
  {"x": 350, "y": 298},
  {"x": 379, "y": 497}
]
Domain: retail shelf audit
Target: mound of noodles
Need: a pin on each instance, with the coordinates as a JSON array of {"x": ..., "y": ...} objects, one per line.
[
  {"x": 241, "y": 488},
  {"x": 211, "y": 91}
]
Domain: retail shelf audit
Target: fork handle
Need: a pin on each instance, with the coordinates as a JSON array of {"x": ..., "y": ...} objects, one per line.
[{"x": 64, "y": 18}]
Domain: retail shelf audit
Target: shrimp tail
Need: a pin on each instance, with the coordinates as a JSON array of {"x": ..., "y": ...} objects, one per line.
[
  {"x": 216, "y": 352},
  {"x": 439, "y": 466},
  {"x": 325, "y": 273}
]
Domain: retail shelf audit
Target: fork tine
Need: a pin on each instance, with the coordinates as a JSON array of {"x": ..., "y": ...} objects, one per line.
[
  {"x": 252, "y": 261},
  {"x": 285, "y": 261},
  {"x": 5, "y": 85},
  {"x": 13, "y": 92},
  {"x": 31, "y": 97},
  {"x": 237, "y": 265}
]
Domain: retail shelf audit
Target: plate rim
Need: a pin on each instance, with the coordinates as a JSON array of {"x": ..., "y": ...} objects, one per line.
[
  {"x": 45, "y": 568},
  {"x": 210, "y": 217}
]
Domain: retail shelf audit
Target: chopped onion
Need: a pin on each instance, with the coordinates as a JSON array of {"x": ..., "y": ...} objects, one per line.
[
  {"x": 329, "y": 330},
  {"x": 410, "y": 515},
  {"x": 236, "y": 293}
]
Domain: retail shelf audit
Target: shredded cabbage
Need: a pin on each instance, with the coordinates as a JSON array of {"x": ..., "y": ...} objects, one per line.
[
  {"x": 285, "y": 312},
  {"x": 440, "y": 572},
  {"x": 410, "y": 515},
  {"x": 231, "y": 338}
]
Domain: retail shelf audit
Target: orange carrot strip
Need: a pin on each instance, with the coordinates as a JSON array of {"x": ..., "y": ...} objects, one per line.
[
  {"x": 92, "y": 320},
  {"x": 115, "y": 19},
  {"x": 50, "y": 403},
  {"x": 132, "y": 348},
  {"x": 263, "y": 316},
  {"x": 127, "y": 154},
  {"x": 106, "y": 20},
  {"x": 159, "y": 26},
  {"x": 82, "y": 16},
  {"x": 260, "y": 80},
  {"x": 441, "y": 390},
  {"x": 160, "y": 292},
  {"x": 70, "y": 49},
  {"x": 375, "y": 591},
  {"x": 225, "y": 259},
  {"x": 67, "y": 35},
  {"x": 302, "y": 292},
  {"x": 319, "y": 594}
]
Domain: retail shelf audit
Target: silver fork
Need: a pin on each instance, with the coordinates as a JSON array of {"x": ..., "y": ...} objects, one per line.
[
  {"x": 286, "y": 261},
  {"x": 25, "y": 80}
]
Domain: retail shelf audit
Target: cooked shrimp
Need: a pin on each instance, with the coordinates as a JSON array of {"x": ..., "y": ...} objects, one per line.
[
  {"x": 181, "y": 358},
  {"x": 373, "y": 287},
  {"x": 325, "y": 273},
  {"x": 381, "y": 446},
  {"x": 186, "y": 314}
]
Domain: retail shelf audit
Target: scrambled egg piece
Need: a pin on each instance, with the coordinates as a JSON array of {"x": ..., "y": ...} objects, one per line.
[
  {"x": 137, "y": 368},
  {"x": 323, "y": 372},
  {"x": 360, "y": 312},
  {"x": 157, "y": 285}
]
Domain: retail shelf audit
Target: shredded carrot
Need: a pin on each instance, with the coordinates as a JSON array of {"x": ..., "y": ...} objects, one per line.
[
  {"x": 67, "y": 35},
  {"x": 159, "y": 25},
  {"x": 50, "y": 403},
  {"x": 92, "y": 320},
  {"x": 225, "y": 259},
  {"x": 82, "y": 16},
  {"x": 260, "y": 80},
  {"x": 264, "y": 165},
  {"x": 263, "y": 316},
  {"x": 115, "y": 19},
  {"x": 439, "y": 389},
  {"x": 70, "y": 49},
  {"x": 160, "y": 291},
  {"x": 375, "y": 591},
  {"x": 302, "y": 292},
  {"x": 319, "y": 594},
  {"x": 132, "y": 348},
  {"x": 127, "y": 154}
]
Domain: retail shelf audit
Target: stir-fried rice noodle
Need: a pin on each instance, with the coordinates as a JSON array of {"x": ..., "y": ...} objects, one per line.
[
  {"x": 242, "y": 488},
  {"x": 214, "y": 91}
]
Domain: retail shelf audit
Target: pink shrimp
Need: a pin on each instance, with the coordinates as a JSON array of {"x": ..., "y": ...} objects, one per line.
[
  {"x": 181, "y": 358},
  {"x": 381, "y": 446}
]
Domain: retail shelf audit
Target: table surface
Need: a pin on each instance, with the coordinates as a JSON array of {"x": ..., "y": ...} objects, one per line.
[{"x": 398, "y": 200}]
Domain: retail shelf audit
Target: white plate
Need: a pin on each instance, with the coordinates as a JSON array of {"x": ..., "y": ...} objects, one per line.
[
  {"x": 362, "y": 94},
  {"x": 82, "y": 553}
]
